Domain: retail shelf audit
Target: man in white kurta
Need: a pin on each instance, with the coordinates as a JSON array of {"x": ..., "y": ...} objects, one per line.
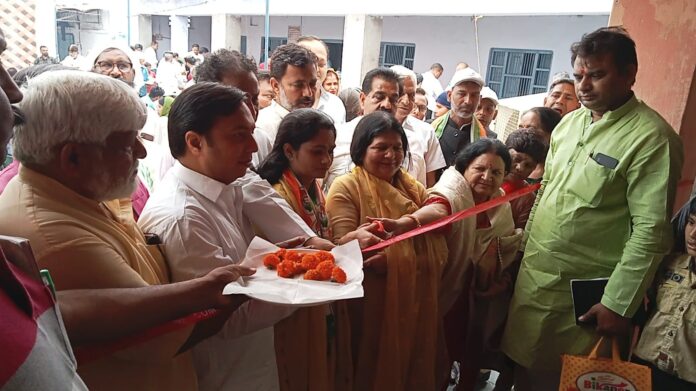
[{"x": 203, "y": 211}]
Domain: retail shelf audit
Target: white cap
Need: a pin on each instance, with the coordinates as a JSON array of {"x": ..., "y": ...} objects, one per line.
[
  {"x": 466, "y": 74},
  {"x": 487, "y": 93}
]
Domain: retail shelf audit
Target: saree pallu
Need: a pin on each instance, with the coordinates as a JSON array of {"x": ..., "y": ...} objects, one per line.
[
  {"x": 395, "y": 326},
  {"x": 474, "y": 325},
  {"x": 313, "y": 344}
]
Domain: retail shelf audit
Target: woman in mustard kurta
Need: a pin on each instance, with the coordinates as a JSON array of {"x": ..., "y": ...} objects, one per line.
[
  {"x": 312, "y": 345},
  {"x": 395, "y": 326}
]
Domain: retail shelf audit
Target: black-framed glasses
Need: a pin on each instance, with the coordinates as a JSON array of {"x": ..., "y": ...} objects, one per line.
[{"x": 107, "y": 66}]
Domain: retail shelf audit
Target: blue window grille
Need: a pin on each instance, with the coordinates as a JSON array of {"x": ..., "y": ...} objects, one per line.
[
  {"x": 392, "y": 53},
  {"x": 517, "y": 72}
]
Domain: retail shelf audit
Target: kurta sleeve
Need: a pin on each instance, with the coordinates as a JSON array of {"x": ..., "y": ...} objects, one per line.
[
  {"x": 99, "y": 266},
  {"x": 343, "y": 210},
  {"x": 267, "y": 210},
  {"x": 652, "y": 181}
]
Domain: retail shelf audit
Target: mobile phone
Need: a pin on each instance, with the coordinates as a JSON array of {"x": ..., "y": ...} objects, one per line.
[{"x": 605, "y": 161}]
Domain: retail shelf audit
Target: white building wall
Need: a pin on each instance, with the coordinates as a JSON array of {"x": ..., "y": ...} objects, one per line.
[
  {"x": 446, "y": 40},
  {"x": 449, "y": 40},
  {"x": 199, "y": 32}
]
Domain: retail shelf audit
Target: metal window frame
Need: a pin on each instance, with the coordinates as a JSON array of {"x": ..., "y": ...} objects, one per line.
[
  {"x": 499, "y": 85},
  {"x": 405, "y": 45}
]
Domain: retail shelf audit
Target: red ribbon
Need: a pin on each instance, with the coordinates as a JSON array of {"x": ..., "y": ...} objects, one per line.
[
  {"x": 474, "y": 210},
  {"x": 93, "y": 352}
]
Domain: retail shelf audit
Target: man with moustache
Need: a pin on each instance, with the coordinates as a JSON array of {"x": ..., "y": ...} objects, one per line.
[
  {"x": 381, "y": 90},
  {"x": 602, "y": 211},
  {"x": 425, "y": 156},
  {"x": 459, "y": 127},
  {"x": 323, "y": 100},
  {"x": 70, "y": 201},
  {"x": 294, "y": 82},
  {"x": 562, "y": 97}
]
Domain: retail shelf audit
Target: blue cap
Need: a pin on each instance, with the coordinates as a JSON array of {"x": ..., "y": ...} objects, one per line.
[{"x": 442, "y": 99}]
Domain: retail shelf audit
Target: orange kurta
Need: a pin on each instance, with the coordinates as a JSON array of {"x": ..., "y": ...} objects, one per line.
[{"x": 395, "y": 326}]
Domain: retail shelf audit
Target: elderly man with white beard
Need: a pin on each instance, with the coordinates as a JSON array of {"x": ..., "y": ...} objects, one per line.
[{"x": 79, "y": 152}]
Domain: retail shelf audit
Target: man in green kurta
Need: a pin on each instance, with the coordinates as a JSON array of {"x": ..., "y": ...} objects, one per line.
[{"x": 603, "y": 211}]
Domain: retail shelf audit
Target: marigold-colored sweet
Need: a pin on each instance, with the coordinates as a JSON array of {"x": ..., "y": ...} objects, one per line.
[
  {"x": 312, "y": 274},
  {"x": 338, "y": 275},
  {"x": 325, "y": 268},
  {"x": 281, "y": 254},
  {"x": 309, "y": 262},
  {"x": 325, "y": 256},
  {"x": 286, "y": 269},
  {"x": 293, "y": 256},
  {"x": 271, "y": 261}
]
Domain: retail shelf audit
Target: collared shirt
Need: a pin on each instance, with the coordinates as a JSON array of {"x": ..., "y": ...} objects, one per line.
[
  {"x": 424, "y": 149},
  {"x": 204, "y": 224},
  {"x": 342, "y": 162},
  {"x": 269, "y": 119},
  {"x": 36, "y": 355},
  {"x": 602, "y": 211},
  {"x": 668, "y": 338},
  {"x": 432, "y": 88},
  {"x": 264, "y": 145},
  {"x": 87, "y": 244},
  {"x": 333, "y": 107}
]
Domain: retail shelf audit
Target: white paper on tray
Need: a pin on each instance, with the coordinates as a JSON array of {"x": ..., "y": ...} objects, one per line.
[{"x": 266, "y": 285}]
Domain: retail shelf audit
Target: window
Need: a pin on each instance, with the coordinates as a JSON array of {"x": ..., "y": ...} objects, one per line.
[
  {"x": 391, "y": 53},
  {"x": 517, "y": 72},
  {"x": 273, "y": 43},
  {"x": 335, "y": 53}
]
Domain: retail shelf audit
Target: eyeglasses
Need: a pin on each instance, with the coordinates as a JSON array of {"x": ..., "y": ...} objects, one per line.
[{"x": 107, "y": 66}]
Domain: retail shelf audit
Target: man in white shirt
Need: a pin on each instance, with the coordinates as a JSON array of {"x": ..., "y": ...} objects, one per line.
[
  {"x": 380, "y": 91},
  {"x": 323, "y": 100},
  {"x": 199, "y": 213},
  {"x": 423, "y": 147},
  {"x": 73, "y": 59},
  {"x": 234, "y": 69},
  {"x": 294, "y": 82},
  {"x": 196, "y": 53},
  {"x": 168, "y": 71},
  {"x": 150, "y": 54},
  {"x": 431, "y": 84}
]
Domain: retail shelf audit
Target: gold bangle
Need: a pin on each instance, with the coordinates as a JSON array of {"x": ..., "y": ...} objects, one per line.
[{"x": 414, "y": 218}]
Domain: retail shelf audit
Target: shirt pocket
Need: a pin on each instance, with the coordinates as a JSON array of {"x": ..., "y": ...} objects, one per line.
[{"x": 590, "y": 182}]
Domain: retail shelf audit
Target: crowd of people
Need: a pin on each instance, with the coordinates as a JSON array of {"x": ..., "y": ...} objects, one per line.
[{"x": 139, "y": 185}]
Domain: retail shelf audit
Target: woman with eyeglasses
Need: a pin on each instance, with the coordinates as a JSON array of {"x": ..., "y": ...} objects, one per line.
[{"x": 395, "y": 326}]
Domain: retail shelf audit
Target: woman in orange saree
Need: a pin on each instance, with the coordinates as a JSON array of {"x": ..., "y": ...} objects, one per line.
[
  {"x": 313, "y": 344},
  {"x": 395, "y": 326}
]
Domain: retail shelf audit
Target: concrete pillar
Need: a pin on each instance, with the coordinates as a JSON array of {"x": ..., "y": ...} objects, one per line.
[
  {"x": 362, "y": 35},
  {"x": 141, "y": 30},
  {"x": 45, "y": 27},
  {"x": 225, "y": 32},
  {"x": 666, "y": 78},
  {"x": 179, "y": 33}
]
